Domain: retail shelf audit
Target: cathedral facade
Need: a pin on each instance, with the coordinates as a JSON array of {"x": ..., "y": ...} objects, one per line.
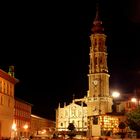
[{"x": 72, "y": 113}]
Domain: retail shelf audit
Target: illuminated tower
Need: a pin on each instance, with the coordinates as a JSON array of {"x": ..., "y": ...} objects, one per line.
[{"x": 99, "y": 101}]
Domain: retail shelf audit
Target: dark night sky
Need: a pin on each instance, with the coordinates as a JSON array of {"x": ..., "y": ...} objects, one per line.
[{"x": 48, "y": 43}]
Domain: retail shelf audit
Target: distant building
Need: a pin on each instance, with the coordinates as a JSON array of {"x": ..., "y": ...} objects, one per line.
[
  {"x": 15, "y": 114},
  {"x": 42, "y": 127},
  {"x": 22, "y": 118},
  {"x": 72, "y": 113},
  {"x": 7, "y": 84},
  {"x": 77, "y": 114},
  {"x": 127, "y": 102}
]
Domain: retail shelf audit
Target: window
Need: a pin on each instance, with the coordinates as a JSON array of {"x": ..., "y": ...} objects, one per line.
[
  {"x": 4, "y": 87},
  {"x": 1, "y": 100},
  {"x": 85, "y": 123},
  {"x": 8, "y": 102},
  {"x": 73, "y": 121},
  {"x": 95, "y": 120},
  {"x": 95, "y": 61},
  {"x": 0, "y": 86},
  {"x": 95, "y": 42},
  {"x": 7, "y": 88}
]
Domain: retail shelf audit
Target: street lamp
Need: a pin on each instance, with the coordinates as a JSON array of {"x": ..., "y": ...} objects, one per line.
[
  {"x": 135, "y": 100},
  {"x": 115, "y": 94}
]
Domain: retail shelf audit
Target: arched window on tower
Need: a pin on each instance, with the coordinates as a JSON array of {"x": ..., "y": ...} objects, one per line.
[
  {"x": 1, "y": 100},
  {"x": 96, "y": 64},
  {"x": 101, "y": 63},
  {"x": 101, "y": 46},
  {"x": 95, "y": 42},
  {"x": 95, "y": 61}
]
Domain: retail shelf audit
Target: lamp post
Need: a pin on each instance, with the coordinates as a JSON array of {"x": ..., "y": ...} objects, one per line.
[
  {"x": 115, "y": 95},
  {"x": 135, "y": 100}
]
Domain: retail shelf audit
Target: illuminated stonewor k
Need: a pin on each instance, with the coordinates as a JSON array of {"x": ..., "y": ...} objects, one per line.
[
  {"x": 99, "y": 102},
  {"x": 90, "y": 113}
]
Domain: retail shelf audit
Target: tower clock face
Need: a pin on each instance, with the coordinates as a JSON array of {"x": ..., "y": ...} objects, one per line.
[{"x": 95, "y": 82}]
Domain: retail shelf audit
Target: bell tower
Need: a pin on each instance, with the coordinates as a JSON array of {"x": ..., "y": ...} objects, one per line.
[{"x": 99, "y": 101}]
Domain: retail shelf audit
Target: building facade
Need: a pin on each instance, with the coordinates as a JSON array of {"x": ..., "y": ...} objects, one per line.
[
  {"x": 22, "y": 118},
  {"x": 7, "y": 84},
  {"x": 77, "y": 114},
  {"x": 72, "y": 113},
  {"x": 42, "y": 127}
]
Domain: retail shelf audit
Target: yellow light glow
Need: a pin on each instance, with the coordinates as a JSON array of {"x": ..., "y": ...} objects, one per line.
[
  {"x": 134, "y": 100},
  {"x": 25, "y": 126},
  {"x": 109, "y": 123},
  {"x": 43, "y": 131},
  {"x": 14, "y": 127},
  {"x": 115, "y": 94}
]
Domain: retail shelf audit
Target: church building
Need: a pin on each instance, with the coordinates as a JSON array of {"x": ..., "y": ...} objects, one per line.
[
  {"x": 72, "y": 113},
  {"x": 94, "y": 116}
]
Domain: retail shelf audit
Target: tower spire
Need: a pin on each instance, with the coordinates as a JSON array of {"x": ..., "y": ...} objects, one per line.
[
  {"x": 97, "y": 23},
  {"x": 99, "y": 101},
  {"x": 97, "y": 17}
]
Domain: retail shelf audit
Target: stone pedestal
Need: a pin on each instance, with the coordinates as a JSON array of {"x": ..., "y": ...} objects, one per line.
[{"x": 96, "y": 130}]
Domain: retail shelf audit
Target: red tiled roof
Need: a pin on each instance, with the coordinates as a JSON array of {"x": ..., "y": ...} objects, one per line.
[{"x": 9, "y": 78}]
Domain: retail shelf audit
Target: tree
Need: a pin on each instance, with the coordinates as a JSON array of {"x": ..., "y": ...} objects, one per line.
[
  {"x": 122, "y": 126},
  {"x": 133, "y": 120},
  {"x": 71, "y": 127},
  {"x": 72, "y": 132}
]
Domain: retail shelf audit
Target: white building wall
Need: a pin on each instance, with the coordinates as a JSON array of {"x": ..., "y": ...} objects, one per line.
[{"x": 72, "y": 113}]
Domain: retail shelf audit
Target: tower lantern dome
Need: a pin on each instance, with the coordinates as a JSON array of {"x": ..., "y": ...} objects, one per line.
[{"x": 97, "y": 23}]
